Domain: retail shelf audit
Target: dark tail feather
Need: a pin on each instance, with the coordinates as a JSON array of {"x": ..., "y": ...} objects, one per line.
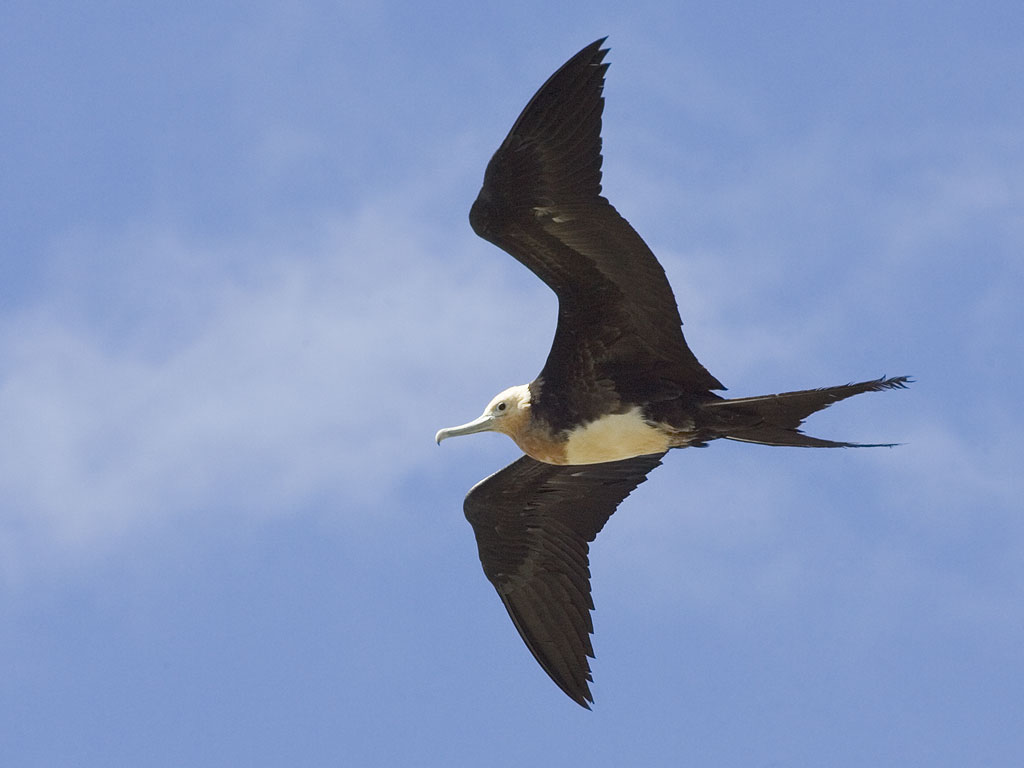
[{"x": 775, "y": 419}]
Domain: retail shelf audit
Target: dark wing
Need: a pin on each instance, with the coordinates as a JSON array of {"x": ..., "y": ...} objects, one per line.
[
  {"x": 541, "y": 202},
  {"x": 533, "y": 523}
]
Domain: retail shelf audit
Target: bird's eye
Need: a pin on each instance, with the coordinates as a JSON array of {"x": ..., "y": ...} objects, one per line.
[{"x": 502, "y": 406}]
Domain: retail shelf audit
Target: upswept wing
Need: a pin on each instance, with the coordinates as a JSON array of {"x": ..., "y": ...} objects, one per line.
[
  {"x": 541, "y": 202},
  {"x": 533, "y": 524}
]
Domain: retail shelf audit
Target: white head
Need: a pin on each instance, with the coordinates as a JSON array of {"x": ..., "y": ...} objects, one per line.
[{"x": 507, "y": 413}]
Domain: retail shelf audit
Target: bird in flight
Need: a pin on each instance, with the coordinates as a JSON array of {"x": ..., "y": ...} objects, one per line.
[{"x": 619, "y": 389}]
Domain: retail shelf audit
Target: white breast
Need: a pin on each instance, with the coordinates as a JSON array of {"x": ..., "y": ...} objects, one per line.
[{"x": 614, "y": 437}]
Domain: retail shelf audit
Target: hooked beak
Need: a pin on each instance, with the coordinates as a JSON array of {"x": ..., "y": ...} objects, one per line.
[{"x": 481, "y": 424}]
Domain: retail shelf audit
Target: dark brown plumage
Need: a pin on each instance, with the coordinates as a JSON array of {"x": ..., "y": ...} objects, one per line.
[
  {"x": 541, "y": 202},
  {"x": 620, "y": 386},
  {"x": 533, "y": 524}
]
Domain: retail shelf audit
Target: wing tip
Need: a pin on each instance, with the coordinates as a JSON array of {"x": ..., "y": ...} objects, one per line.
[{"x": 596, "y": 46}]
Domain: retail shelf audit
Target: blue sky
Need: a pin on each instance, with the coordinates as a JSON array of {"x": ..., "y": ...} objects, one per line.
[{"x": 239, "y": 294}]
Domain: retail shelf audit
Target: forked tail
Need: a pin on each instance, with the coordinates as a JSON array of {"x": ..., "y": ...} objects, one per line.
[{"x": 775, "y": 419}]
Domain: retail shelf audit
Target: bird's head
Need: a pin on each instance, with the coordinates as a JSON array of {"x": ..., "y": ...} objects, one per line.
[{"x": 507, "y": 413}]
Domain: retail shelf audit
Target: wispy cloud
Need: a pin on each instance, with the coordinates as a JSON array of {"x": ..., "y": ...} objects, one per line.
[
  {"x": 155, "y": 389},
  {"x": 163, "y": 371}
]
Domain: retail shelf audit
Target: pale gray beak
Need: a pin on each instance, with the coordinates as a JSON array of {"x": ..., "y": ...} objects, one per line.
[{"x": 481, "y": 424}]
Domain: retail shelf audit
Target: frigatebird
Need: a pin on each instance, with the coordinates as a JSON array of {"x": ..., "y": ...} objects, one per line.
[{"x": 619, "y": 389}]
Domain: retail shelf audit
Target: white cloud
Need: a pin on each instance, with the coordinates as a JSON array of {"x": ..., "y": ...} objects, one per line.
[
  {"x": 164, "y": 373},
  {"x": 317, "y": 368}
]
